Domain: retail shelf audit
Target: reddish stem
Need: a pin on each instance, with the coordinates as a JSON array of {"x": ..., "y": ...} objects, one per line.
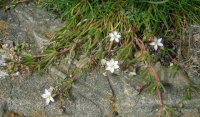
[
  {"x": 156, "y": 81},
  {"x": 63, "y": 51},
  {"x": 140, "y": 44},
  {"x": 44, "y": 55},
  {"x": 142, "y": 48},
  {"x": 40, "y": 55}
]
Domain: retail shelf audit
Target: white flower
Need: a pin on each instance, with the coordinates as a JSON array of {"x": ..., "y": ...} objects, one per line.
[
  {"x": 47, "y": 96},
  {"x": 112, "y": 65},
  {"x": 115, "y": 36},
  {"x": 18, "y": 73},
  {"x": 156, "y": 43}
]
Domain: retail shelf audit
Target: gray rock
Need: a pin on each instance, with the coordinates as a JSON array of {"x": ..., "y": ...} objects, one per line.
[
  {"x": 194, "y": 60},
  {"x": 30, "y": 23},
  {"x": 3, "y": 56},
  {"x": 27, "y": 22},
  {"x": 24, "y": 95},
  {"x": 3, "y": 74},
  {"x": 6, "y": 88}
]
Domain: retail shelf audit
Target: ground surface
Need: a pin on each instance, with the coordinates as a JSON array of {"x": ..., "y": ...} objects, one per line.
[{"x": 94, "y": 95}]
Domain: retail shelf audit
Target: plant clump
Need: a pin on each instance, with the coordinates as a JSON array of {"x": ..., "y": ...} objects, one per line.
[
  {"x": 90, "y": 27},
  {"x": 122, "y": 31}
]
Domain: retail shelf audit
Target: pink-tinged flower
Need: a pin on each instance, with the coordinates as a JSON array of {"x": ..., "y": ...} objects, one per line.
[
  {"x": 47, "y": 96},
  {"x": 112, "y": 65},
  {"x": 18, "y": 73},
  {"x": 156, "y": 43},
  {"x": 115, "y": 36}
]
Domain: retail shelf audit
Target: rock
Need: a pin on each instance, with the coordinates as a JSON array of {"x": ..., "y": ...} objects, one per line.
[
  {"x": 194, "y": 60},
  {"x": 24, "y": 94},
  {"x": 2, "y": 61},
  {"x": 3, "y": 56},
  {"x": 30, "y": 23},
  {"x": 57, "y": 73},
  {"x": 3, "y": 74},
  {"x": 6, "y": 88},
  {"x": 190, "y": 113},
  {"x": 94, "y": 95}
]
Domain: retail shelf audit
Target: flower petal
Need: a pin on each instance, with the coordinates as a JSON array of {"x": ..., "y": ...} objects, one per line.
[
  {"x": 44, "y": 95},
  {"x": 159, "y": 40},
  {"x": 108, "y": 68},
  {"x": 152, "y": 43},
  {"x": 108, "y": 63},
  {"x": 160, "y": 44},
  {"x": 116, "y": 66},
  {"x": 112, "y": 38},
  {"x": 115, "y": 33},
  {"x": 117, "y": 40},
  {"x": 46, "y": 91},
  {"x": 111, "y": 34},
  {"x": 156, "y": 47},
  {"x": 118, "y": 36},
  {"x": 47, "y": 101},
  {"x": 112, "y": 70},
  {"x": 51, "y": 99},
  {"x": 116, "y": 62}
]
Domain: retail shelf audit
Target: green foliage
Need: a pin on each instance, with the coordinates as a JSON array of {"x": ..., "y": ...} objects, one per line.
[
  {"x": 149, "y": 79},
  {"x": 154, "y": 86},
  {"x": 187, "y": 93},
  {"x": 87, "y": 24},
  {"x": 197, "y": 86},
  {"x": 28, "y": 59},
  {"x": 189, "y": 90},
  {"x": 48, "y": 56},
  {"x": 172, "y": 70},
  {"x": 167, "y": 111},
  {"x": 7, "y": 4}
]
